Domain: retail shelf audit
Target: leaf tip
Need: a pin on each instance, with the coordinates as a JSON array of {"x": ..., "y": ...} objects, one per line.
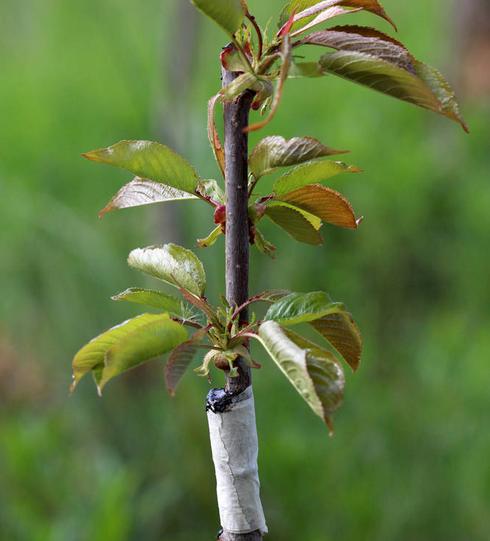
[
  {"x": 92, "y": 155},
  {"x": 286, "y": 28},
  {"x": 104, "y": 211},
  {"x": 73, "y": 385},
  {"x": 354, "y": 366},
  {"x": 388, "y": 19},
  {"x": 457, "y": 117}
]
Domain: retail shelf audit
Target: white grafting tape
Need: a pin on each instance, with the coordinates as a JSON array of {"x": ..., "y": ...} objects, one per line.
[{"x": 234, "y": 445}]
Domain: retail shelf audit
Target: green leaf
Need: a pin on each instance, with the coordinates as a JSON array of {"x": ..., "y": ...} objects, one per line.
[
  {"x": 311, "y": 370},
  {"x": 232, "y": 59},
  {"x": 275, "y": 151},
  {"x": 341, "y": 331},
  {"x": 448, "y": 104},
  {"x": 154, "y": 339},
  {"x": 329, "y": 205},
  {"x": 227, "y": 13},
  {"x": 201, "y": 304},
  {"x": 212, "y": 357},
  {"x": 180, "y": 359},
  {"x": 313, "y": 220},
  {"x": 302, "y": 308},
  {"x": 263, "y": 245},
  {"x": 151, "y": 297},
  {"x": 172, "y": 264},
  {"x": 305, "y": 69},
  {"x": 149, "y": 160},
  {"x": 224, "y": 361},
  {"x": 311, "y": 173},
  {"x": 418, "y": 84},
  {"x": 300, "y": 225},
  {"x": 211, "y": 238},
  {"x": 212, "y": 190},
  {"x": 141, "y": 192},
  {"x": 126, "y": 346}
]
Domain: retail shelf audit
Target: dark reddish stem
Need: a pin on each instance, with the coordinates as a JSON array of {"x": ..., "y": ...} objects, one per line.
[
  {"x": 237, "y": 235},
  {"x": 187, "y": 322},
  {"x": 253, "y": 20},
  {"x": 237, "y": 231}
]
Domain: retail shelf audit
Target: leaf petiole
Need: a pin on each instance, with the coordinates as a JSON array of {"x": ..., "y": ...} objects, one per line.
[
  {"x": 260, "y": 38},
  {"x": 242, "y": 54}
]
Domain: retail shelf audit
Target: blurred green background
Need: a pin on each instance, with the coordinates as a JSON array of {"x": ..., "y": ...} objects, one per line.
[{"x": 410, "y": 457}]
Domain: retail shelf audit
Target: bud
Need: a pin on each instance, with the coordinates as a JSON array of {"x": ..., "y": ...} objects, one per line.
[{"x": 220, "y": 215}]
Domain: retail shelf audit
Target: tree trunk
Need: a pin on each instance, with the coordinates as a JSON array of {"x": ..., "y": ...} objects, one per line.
[
  {"x": 237, "y": 234},
  {"x": 231, "y": 412}
]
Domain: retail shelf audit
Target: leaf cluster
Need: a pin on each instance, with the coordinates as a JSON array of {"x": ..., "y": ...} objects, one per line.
[
  {"x": 184, "y": 326},
  {"x": 361, "y": 54},
  {"x": 299, "y": 202}
]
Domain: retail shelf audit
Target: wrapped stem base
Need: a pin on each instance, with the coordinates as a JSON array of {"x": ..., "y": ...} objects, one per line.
[{"x": 234, "y": 445}]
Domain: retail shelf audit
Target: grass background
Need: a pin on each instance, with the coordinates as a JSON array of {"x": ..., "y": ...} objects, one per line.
[{"x": 410, "y": 456}]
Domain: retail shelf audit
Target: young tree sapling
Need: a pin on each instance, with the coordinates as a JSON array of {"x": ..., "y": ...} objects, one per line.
[{"x": 256, "y": 65}]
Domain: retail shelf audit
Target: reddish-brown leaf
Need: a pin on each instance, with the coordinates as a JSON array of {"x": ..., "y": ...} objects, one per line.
[
  {"x": 306, "y": 9},
  {"x": 214, "y": 140},
  {"x": 141, "y": 192},
  {"x": 180, "y": 359},
  {"x": 373, "y": 59},
  {"x": 327, "y": 204},
  {"x": 287, "y": 26},
  {"x": 363, "y": 39},
  {"x": 418, "y": 84},
  {"x": 326, "y": 15},
  {"x": 344, "y": 335}
]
